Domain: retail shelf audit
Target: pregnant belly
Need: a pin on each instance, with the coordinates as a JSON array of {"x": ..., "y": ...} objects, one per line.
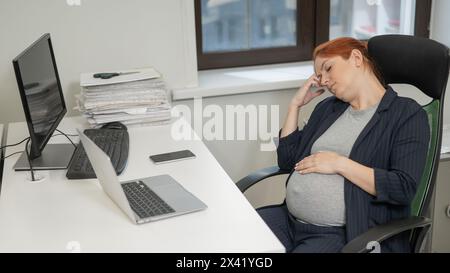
[{"x": 317, "y": 198}]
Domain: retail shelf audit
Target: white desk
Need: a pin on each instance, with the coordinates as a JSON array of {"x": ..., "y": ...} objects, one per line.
[{"x": 46, "y": 216}]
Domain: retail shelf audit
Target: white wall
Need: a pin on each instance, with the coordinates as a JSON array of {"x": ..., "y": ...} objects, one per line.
[{"x": 440, "y": 21}]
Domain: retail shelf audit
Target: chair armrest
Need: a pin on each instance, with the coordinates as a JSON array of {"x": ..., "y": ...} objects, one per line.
[
  {"x": 259, "y": 175},
  {"x": 383, "y": 232}
]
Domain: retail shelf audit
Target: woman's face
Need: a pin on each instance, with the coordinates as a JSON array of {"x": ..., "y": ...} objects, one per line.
[{"x": 337, "y": 74}]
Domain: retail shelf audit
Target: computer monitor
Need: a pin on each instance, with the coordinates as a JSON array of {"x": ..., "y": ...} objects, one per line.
[{"x": 43, "y": 103}]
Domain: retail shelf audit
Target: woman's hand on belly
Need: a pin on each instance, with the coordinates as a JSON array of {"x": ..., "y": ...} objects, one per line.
[
  {"x": 333, "y": 163},
  {"x": 321, "y": 162}
]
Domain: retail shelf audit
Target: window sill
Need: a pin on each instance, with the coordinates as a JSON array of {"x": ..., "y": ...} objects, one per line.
[{"x": 231, "y": 81}]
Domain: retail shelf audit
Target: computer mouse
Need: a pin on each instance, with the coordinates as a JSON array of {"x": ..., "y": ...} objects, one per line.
[{"x": 115, "y": 125}]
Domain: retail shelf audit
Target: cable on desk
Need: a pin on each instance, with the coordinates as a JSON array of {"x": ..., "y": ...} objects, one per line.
[
  {"x": 13, "y": 154},
  {"x": 63, "y": 135},
  {"x": 67, "y": 137},
  {"x": 29, "y": 160},
  {"x": 11, "y": 145}
]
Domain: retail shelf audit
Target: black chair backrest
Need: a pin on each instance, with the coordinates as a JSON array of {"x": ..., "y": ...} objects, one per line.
[
  {"x": 418, "y": 61},
  {"x": 425, "y": 64}
]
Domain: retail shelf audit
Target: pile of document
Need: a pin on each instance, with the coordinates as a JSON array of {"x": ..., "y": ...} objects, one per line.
[{"x": 132, "y": 97}]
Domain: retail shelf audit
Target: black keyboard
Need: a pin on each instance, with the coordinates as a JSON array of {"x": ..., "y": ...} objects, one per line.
[
  {"x": 144, "y": 201},
  {"x": 115, "y": 143}
]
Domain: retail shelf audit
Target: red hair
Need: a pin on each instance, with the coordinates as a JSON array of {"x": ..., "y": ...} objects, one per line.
[{"x": 343, "y": 47}]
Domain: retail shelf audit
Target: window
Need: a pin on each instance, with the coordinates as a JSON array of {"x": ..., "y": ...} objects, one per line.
[
  {"x": 364, "y": 19},
  {"x": 233, "y": 33},
  {"x": 246, "y": 25}
]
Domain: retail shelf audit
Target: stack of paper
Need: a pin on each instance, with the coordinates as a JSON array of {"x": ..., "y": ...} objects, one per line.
[{"x": 134, "y": 97}]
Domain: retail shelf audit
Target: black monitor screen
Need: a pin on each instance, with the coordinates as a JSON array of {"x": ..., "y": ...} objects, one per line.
[{"x": 40, "y": 91}]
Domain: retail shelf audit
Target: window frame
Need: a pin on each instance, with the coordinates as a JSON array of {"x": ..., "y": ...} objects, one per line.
[
  {"x": 305, "y": 37},
  {"x": 313, "y": 28}
]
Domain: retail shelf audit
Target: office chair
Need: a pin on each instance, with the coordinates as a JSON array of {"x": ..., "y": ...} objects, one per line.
[{"x": 425, "y": 64}]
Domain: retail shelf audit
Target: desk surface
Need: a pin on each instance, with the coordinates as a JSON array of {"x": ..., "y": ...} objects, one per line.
[{"x": 57, "y": 213}]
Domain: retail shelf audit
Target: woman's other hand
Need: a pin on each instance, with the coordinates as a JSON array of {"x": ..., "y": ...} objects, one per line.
[
  {"x": 304, "y": 95},
  {"x": 321, "y": 162}
]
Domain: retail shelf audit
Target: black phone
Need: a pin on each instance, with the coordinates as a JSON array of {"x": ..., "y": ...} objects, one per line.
[{"x": 172, "y": 156}]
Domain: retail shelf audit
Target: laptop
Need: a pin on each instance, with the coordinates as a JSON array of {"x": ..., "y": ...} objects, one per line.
[{"x": 143, "y": 200}]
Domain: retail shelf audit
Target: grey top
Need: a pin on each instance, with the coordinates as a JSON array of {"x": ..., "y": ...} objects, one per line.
[{"x": 319, "y": 198}]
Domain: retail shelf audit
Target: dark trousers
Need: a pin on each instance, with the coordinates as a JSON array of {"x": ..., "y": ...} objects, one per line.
[{"x": 298, "y": 237}]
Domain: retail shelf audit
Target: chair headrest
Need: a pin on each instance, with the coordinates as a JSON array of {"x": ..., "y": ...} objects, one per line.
[{"x": 418, "y": 61}]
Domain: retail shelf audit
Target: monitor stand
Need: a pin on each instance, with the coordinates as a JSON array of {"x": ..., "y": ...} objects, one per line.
[{"x": 53, "y": 157}]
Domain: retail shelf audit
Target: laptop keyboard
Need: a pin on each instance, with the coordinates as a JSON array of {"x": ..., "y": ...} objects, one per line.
[
  {"x": 115, "y": 143},
  {"x": 144, "y": 201}
]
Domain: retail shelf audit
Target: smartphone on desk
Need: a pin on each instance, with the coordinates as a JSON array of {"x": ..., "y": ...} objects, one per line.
[{"x": 172, "y": 156}]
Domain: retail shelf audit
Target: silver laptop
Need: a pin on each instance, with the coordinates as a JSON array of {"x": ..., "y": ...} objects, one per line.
[{"x": 143, "y": 200}]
